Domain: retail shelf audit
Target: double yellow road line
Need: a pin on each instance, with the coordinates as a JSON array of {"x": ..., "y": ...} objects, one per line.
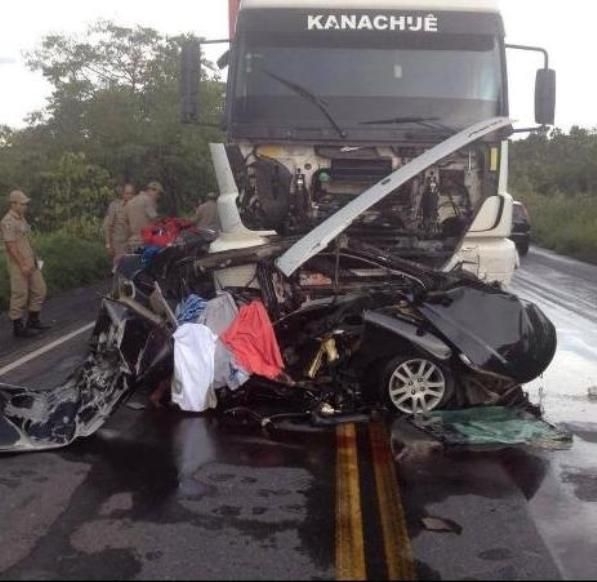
[{"x": 350, "y": 547}]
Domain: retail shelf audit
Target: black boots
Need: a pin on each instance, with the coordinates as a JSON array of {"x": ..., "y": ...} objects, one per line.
[
  {"x": 34, "y": 323},
  {"x": 19, "y": 330},
  {"x": 33, "y": 327}
]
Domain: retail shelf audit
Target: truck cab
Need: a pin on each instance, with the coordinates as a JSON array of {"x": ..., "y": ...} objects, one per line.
[{"x": 326, "y": 98}]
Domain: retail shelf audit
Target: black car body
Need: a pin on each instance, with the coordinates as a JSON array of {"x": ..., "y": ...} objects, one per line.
[
  {"x": 521, "y": 228},
  {"x": 357, "y": 327},
  {"x": 401, "y": 336}
]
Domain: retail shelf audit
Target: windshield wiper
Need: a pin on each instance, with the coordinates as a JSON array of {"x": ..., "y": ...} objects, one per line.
[
  {"x": 300, "y": 90},
  {"x": 429, "y": 122}
]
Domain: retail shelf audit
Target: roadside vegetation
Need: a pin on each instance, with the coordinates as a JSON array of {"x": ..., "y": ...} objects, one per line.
[
  {"x": 114, "y": 116},
  {"x": 555, "y": 175}
]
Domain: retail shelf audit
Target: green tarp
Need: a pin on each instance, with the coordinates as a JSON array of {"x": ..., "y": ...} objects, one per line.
[{"x": 493, "y": 426}]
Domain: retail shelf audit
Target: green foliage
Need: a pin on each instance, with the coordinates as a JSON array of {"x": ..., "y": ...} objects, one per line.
[
  {"x": 69, "y": 262},
  {"x": 563, "y": 223},
  {"x": 114, "y": 116},
  {"x": 75, "y": 193},
  {"x": 556, "y": 163},
  {"x": 555, "y": 175}
]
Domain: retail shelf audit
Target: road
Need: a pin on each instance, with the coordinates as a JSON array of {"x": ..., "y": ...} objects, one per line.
[
  {"x": 564, "y": 506},
  {"x": 157, "y": 494}
]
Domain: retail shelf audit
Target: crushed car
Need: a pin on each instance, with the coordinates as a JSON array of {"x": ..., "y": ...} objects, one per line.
[{"x": 329, "y": 324}]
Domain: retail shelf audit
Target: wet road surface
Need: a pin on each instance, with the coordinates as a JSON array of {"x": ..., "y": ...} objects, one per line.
[
  {"x": 157, "y": 494},
  {"x": 564, "y": 505}
]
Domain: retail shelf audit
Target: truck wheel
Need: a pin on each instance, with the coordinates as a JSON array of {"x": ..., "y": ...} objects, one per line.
[
  {"x": 523, "y": 248},
  {"x": 413, "y": 385}
]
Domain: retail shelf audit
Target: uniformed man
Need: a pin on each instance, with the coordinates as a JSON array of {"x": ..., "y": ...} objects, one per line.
[
  {"x": 27, "y": 285},
  {"x": 206, "y": 214},
  {"x": 141, "y": 212},
  {"x": 116, "y": 226}
]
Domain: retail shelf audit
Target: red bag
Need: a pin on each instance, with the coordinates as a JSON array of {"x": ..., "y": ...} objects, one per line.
[{"x": 165, "y": 231}]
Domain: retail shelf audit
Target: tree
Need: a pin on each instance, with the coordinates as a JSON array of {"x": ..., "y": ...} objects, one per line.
[
  {"x": 114, "y": 108},
  {"x": 76, "y": 194},
  {"x": 556, "y": 163}
]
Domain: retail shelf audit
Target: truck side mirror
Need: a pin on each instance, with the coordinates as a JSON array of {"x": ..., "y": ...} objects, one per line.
[
  {"x": 545, "y": 97},
  {"x": 190, "y": 76}
]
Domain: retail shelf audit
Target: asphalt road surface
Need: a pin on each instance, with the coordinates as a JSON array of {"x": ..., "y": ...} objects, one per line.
[{"x": 156, "y": 494}]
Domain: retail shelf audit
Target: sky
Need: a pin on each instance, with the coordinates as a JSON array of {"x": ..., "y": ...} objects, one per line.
[{"x": 566, "y": 30}]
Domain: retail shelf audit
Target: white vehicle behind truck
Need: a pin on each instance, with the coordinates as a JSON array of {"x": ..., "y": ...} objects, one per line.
[{"x": 326, "y": 99}]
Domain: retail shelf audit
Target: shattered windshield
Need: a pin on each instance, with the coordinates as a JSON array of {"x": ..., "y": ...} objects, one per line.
[{"x": 454, "y": 79}]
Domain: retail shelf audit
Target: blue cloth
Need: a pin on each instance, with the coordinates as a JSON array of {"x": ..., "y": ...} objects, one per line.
[
  {"x": 189, "y": 310},
  {"x": 149, "y": 253}
]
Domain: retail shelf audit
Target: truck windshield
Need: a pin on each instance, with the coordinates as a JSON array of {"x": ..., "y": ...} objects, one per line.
[{"x": 453, "y": 79}]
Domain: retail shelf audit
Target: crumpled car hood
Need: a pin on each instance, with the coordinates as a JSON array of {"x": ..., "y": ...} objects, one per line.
[{"x": 498, "y": 332}]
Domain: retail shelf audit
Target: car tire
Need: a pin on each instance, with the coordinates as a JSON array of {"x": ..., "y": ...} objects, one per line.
[
  {"x": 523, "y": 248},
  {"x": 413, "y": 384}
]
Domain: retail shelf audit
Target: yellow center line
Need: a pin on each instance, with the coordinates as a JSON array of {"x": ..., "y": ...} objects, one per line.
[
  {"x": 397, "y": 548},
  {"x": 350, "y": 548}
]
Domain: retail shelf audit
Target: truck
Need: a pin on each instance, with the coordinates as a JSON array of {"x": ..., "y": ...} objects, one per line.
[{"x": 326, "y": 98}]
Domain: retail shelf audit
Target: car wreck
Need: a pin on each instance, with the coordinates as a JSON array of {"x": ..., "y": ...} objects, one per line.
[{"x": 330, "y": 325}]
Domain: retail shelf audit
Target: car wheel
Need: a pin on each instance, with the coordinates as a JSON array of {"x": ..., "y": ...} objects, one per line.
[
  {"x": 523, "y": 248},
  {"x": 413, "y": 385}
]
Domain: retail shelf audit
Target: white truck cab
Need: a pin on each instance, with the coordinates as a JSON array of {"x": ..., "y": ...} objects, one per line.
[{"x": 328, "y": 98}]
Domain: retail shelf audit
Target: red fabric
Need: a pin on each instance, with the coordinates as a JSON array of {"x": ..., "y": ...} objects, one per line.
[
  {"x": 253, "y": 343},
  {"x": 165, "y": 231}
]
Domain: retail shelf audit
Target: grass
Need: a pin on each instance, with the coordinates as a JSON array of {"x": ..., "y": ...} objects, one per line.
[
  {"x": 565, "y": 224},
  {"x": 69, "y": 262}
]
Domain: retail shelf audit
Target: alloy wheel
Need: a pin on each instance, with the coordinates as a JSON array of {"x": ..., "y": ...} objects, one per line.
[{"x": 417, "y": 386}]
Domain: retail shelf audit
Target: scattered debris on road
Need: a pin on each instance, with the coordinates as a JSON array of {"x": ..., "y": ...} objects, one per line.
[
  {"x": 330, "y": 328},
  {"x": 492, "y": 426},
  {"x": 441, "y": 525},
  {"x": 376, "y": 331}
]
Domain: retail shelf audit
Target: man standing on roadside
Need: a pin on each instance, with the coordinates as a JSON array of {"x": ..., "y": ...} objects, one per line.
[
  {"x": 206, "y": 214},
  {"x": 27, "y": 285},
  {"x": 142, "y": 211},
  {"x": 115, "y": 226}
]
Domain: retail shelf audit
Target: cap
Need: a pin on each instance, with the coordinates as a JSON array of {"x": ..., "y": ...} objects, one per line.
[
  {"x": 155, "y": 186},
  {"x": 18, "y": 196}
]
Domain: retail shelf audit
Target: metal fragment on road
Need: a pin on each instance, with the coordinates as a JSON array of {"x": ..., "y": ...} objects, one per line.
[{"x": 441, "y": 525}]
